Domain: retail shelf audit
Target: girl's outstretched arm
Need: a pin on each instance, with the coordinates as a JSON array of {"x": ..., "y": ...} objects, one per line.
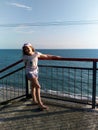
[{"x": 48, "y": 56}]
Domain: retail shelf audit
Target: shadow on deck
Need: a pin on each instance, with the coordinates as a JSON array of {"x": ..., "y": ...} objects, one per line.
[{"x": 22, "y": 114}]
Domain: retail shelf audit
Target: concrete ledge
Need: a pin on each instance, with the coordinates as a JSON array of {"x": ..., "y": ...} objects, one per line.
[{"x": 22, "y": 114}]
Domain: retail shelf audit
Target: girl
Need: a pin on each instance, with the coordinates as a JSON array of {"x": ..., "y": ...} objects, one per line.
[{"x": 30, "y": 58}]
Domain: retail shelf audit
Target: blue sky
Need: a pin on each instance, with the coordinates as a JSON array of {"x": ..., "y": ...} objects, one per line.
[{"x": 52, "y": 24}]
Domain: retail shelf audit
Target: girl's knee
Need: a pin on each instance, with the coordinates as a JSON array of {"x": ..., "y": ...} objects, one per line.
[
  {"x": 38, "y": 86},
  {"x": 35, "y": 83}
]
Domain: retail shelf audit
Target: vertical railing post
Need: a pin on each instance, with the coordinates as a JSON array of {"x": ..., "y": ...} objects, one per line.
[
  {"x": 28, "y": 87},
  {"x": 27, "y": 93},
  {"x": 94, "y": 84}
]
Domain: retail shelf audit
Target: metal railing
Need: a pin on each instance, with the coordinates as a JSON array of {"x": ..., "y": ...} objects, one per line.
[
  {"x": 12, "y": 82},
  {"x": 72, "y": 79}
]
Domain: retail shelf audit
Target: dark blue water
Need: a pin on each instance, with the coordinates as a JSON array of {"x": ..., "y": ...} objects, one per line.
[{"x": 8, "y": 57}]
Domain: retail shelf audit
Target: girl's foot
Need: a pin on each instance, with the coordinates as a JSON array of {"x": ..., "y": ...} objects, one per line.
[
  {"x": 34, "y": 102},
  {"x": 42, "y": 107}
]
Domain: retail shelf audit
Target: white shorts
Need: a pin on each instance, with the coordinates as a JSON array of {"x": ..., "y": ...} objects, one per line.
[{"x": 32, "y": 75}]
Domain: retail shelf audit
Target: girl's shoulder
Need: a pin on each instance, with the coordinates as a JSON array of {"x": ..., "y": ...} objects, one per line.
[{"x": 38, "y": 53}]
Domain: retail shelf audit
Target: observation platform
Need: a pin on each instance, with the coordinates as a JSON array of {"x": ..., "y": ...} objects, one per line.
[{"x": 22, "y": 114}]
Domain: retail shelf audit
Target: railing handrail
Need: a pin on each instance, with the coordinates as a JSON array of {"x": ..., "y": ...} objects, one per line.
[
  {"x": 72, "y": 59},
  {"x": 11, "y": 72},
  {"x": 60, "y": 58},
  {"x": 4, "y": 69}
]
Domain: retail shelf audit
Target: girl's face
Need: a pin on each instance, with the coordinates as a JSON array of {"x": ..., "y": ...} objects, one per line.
[{"x": 28, "y": 50}]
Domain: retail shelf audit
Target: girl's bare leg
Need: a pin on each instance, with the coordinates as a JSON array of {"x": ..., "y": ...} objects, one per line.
[
  {"x": 33, "y": 92},
  {"x": 38, "y": 97}
]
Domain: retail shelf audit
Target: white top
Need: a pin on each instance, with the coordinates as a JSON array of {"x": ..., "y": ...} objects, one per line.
[{"x": 31, "y": 62}]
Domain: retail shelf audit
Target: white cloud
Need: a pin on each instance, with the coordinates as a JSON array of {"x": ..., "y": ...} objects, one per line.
[
  {"x": 24, "y": 29},
  {"x": 21, "y": 6}
]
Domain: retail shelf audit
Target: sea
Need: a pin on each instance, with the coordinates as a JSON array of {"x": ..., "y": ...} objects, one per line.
[{"x": 10, "y": 56}]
